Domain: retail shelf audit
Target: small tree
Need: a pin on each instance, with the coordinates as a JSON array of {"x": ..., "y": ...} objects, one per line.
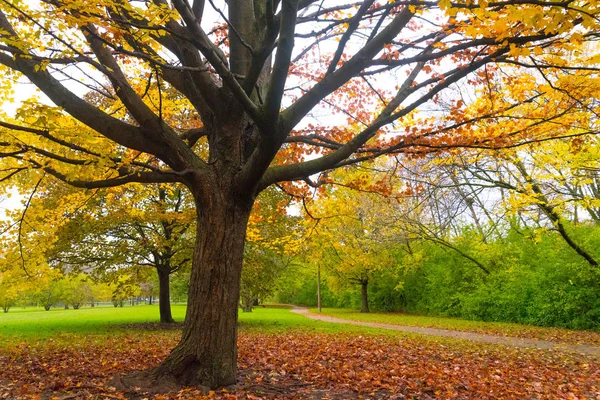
[
  {"x": 76, "y": 290},
  {"x": 49, "y": 293},
  {"x": 125, "y": 288},
  {"x": 272, "y": 241},
  {"x": 11, "y": 286},
  {"x": 130, "y": 227},
  {"x": 8, "y": 296},
  {"x": 351, "y": 234},
  {"x": 180, "y": 286},
  {"x": 99, "y": 291}
]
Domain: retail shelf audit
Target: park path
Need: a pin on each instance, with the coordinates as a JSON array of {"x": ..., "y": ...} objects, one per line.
[{"x": 472, "y": 336}]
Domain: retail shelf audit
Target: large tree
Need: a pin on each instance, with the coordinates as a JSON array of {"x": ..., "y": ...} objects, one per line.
[{"x": 255, "y": 89}]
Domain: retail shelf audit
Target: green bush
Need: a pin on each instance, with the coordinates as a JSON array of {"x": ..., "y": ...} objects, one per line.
[{"x": 535, "y": 278}]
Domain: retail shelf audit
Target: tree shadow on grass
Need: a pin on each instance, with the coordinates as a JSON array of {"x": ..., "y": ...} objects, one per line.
[{"x": 149, "y": 326}]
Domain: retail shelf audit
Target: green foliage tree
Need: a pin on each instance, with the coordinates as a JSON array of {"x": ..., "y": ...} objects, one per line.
[
  {"x": 49, "y": 293},
  {"x": 481, "y": 237},
  {"x": 99, "y": 291},
  {"x": 75, "y": 290},
  {"x": 8, "y": 292},
  {"x": 180, "y": 285},
  {"x": 130, "y": 227},
  {"x": 125, "y": 288},
  {"x": 272, "y": 241}
]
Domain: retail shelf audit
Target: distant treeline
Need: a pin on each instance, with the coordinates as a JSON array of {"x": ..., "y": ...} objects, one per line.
[{"x": 534, "y": 277}]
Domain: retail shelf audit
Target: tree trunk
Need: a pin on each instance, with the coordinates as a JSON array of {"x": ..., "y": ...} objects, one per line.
[
  {"x": 207, "y": 352},
  {"x": 246, "y": 302},
  {"x": 364, "y": 307},
  {"x": 164, "y": 293},
  {"x": 319, "y": 287}
]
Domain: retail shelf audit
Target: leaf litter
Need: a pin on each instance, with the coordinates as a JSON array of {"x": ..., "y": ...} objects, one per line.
[{"x": 304, "y": 365}]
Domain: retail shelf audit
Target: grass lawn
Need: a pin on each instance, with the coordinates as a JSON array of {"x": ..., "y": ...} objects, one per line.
[
  {"x": 492, "y": 328},
  {"x": 278, "y": 320},
  {"x": 37, "y": 324}
]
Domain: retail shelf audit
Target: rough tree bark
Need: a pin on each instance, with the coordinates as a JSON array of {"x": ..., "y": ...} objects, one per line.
[
  {"x": 364, "y": 295},
  {"x": 207, "y": 352},
  {"x": 164, "y": 302}
]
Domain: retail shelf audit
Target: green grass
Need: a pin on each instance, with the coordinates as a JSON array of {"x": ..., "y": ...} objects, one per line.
[
  {"x": 493, "y": 328},
  {"x": 38, "y": 323},
  {"x": 34, "y": 324},
  {"x": 415, "y": 320}
]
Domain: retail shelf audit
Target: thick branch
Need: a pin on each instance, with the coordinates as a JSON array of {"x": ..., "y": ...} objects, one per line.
[
  {"x": 217, "y": 59},
  {"x": 293, "y": 114},
  {"x": 282, "y": 61},
  {"x": 139, "y": 177}
]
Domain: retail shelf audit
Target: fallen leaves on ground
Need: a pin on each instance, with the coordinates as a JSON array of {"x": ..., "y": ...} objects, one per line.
[{"x": 297, "y": 365}]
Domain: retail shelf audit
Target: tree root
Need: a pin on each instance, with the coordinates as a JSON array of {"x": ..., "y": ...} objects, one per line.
[{"x": 150, "y": 382}]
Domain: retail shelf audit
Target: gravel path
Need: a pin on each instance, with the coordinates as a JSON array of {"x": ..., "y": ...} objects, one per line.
[{"x": 475, "y": 337}]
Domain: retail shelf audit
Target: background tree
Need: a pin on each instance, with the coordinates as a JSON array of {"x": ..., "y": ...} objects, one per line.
[
  {"x": 130, "y": 227},
  {"x": 383, "y": 64},
  {"x": 479, "y": 243},
  {"x": 546, "y": 185},
  {"x": 99, "y": 292},
  {"x": 351, "y": 237},
  {"x": 435, "y": 204},
  {"x": 48, "y": 292},
  {"x": 124, "y": 288},
  {"x": 272, "y": 241},
  {"x": 180, "y": 285},
  {"x": 9, "y": 290},
  {"x": 75, "y": 290}
]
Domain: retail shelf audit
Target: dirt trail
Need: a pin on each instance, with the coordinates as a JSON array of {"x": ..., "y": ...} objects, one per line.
[{"x": 475, "y": 337}]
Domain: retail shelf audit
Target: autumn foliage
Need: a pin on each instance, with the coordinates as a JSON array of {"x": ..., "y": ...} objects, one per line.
[{"x": 297, "y": 365}]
